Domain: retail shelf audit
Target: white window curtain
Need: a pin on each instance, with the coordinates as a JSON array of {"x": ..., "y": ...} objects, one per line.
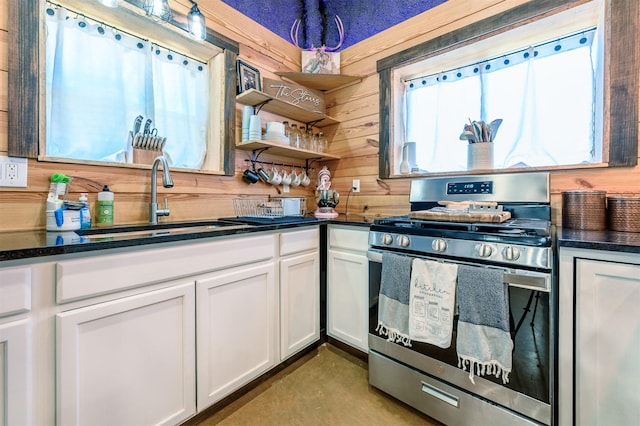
[
  {"x": 99, "y": 79},
  {"x": 554, "y": 126}
]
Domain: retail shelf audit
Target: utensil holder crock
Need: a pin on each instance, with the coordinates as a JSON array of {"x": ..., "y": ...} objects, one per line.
[{"x": 480, "y": 155}]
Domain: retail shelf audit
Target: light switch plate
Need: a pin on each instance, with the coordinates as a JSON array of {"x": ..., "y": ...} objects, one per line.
[{"x": 13, "y": 172}]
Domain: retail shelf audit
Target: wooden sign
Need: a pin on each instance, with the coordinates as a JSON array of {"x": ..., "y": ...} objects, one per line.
[{"x": 311, "y": 100}]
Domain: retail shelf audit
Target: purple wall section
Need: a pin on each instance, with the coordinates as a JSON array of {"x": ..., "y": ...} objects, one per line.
[{"x": 361, "y": 18}]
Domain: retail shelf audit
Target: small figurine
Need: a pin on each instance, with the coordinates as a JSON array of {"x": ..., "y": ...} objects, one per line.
[
  {"x": 326, "y": 198},
  {"x": 324, "y": 178}
]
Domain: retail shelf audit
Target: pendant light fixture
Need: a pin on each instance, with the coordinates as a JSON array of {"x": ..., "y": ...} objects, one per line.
[
  {"x": 157, "y": 9},
  {"x": 197, "y": 23},
  {"x": 109, "y": 3}
]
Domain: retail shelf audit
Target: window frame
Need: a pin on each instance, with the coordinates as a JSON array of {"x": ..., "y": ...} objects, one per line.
[
  {"x": 621, "y": 79},
  {"x": 26, "y": 87}
]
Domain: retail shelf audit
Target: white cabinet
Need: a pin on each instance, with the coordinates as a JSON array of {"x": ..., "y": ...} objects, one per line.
[
  {"x": 604, "y": 352},
  {"x": 237, "y": 329},
  {"x": 15, "y": 388},
  {"x": 348, "y": 285},
  {"x": 128, "y": 361},
  {"x": 153, "y": 334},
  {"x": 15, "y": 348},
  {"x": 299, "y": 290}
]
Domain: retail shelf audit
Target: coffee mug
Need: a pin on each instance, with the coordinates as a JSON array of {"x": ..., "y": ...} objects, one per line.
[
  {"x": 286, "y": 178},
  {"x": 295, "y": 178},
  {"x": 250, "y": 176},
  {"x": 304, "y": 179},
  {"x": 263, "y": 174},
  {"x": 274, "y": 177}
]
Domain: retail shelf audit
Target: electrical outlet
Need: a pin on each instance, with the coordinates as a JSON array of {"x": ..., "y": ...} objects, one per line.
[
  {"x": 355, "y": 186},
  {"x": 13, "y": 172}
]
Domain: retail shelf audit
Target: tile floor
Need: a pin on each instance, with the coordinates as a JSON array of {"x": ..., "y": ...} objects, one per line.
[{"x": 327, "y": 387}]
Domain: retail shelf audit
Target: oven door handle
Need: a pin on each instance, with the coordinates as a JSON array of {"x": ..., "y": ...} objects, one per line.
[
  {"x": 540, "y": 282},
  {"x": 374, "y": 255}
]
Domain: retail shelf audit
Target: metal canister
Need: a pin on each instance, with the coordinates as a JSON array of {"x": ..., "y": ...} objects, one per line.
[
  {"x": 584, "y": 209},
  {"x": 624, "y": 214}
]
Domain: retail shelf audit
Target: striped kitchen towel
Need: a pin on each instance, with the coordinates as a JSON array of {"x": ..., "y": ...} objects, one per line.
[
  {"x": 483, "y": 341},
  {"x": 393, "y": 301}
]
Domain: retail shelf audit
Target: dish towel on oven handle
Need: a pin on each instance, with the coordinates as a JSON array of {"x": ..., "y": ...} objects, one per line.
[
  {"x": 393, "y": 300},
  {"x": 432, "y": 301},
  {"x": 483, "y": 340}
]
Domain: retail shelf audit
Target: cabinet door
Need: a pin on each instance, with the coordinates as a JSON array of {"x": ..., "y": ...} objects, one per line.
[
  {"x": 347, "y": 298},
  {"x": 129, "y": 361},
  {"x": 607, "y": 343},
  {"x": 299, "y": 302},
  {"x": 236, "y": 329},
  {"x": 15, "y": 388}
]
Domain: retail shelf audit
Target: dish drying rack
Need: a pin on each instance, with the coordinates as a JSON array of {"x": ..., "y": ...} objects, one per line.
[{"x": 270, "y": 207}]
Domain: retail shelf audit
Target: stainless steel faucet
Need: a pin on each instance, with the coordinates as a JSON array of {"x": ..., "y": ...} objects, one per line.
[{"x": 167, "y": 182}]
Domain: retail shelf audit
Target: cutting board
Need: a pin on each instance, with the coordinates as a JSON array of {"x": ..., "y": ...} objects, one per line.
[{"x": 494, "y": 217}]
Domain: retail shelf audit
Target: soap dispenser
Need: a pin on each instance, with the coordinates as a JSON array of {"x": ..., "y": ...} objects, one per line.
[{"x": 105, "y": 207}]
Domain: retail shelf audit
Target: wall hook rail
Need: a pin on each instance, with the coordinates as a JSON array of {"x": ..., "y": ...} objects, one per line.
[{"x": 273, "y": 163}]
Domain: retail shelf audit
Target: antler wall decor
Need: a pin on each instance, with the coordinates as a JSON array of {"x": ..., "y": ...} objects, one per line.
[{"x": 295, "y": 29}]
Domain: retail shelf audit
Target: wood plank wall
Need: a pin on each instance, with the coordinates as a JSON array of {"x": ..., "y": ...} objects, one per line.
[{"x": 355, "y": 139}]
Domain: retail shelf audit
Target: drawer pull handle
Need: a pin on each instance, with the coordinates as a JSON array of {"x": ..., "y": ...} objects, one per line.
[{"x": 440, "y": 394}]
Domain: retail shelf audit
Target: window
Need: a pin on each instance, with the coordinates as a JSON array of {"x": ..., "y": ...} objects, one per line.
[
  {"x": 199, "y": 101},
  {"x": 433, "y": 113},
  {"x": 99, "y": 79},
  {"x": 543, "y": 94}
]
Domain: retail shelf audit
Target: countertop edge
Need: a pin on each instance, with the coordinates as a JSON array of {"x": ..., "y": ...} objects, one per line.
[{"x": 77, "y": 245}]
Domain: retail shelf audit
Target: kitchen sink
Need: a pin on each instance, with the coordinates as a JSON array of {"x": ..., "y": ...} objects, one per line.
[{"x": 162, "y": 229}]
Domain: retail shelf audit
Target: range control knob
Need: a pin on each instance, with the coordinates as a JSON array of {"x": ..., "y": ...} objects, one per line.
[
  {"x": 387, "y": 239},
  {"x": 439, "y": 245},
  {"x": 404, "y": 241},
  {"x": 511, "y": 253},
  {"x": 484, "y": 250}
]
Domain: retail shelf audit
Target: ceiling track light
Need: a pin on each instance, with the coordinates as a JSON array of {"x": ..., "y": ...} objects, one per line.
[
  {"x": 158, "y": 9},
  {"x": 196, "y": 22}
]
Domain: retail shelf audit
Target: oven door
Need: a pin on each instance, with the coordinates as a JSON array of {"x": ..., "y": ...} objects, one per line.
[{"x": 529, "y": 390}]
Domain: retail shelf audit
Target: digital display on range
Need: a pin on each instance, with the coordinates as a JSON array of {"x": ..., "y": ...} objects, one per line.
[{"x": 485, "y": 187}]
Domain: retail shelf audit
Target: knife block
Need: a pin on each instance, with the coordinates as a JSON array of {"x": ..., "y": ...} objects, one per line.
[{"x": 142, "y": 155}]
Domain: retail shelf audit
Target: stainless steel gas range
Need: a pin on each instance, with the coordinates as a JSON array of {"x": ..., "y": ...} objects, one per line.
[{"x": 429, "y": 377}]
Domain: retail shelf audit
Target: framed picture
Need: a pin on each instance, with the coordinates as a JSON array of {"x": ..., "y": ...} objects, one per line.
[{"x": 248, "y": 77}]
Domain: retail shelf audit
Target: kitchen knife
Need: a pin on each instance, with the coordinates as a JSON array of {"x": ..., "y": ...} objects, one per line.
[{"x": 137, "y": 123}]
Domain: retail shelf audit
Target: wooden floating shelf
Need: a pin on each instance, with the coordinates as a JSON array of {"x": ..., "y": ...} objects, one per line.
[
  {"x": 284, "y": 150},
  {"x": 322, "y": 82},
  {"x": 255, "y": 97}
]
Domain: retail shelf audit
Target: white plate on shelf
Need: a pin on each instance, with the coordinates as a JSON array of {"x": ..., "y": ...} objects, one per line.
[{"x": 276, "y": 137}]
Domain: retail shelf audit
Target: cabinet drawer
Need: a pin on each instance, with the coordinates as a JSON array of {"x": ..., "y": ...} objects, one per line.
[
  {"x": 298, "y": 241},
  {"x": 349, "y": 238},
  {"x": 96, "y": 275},
  {"x": 15, "y": 291}
]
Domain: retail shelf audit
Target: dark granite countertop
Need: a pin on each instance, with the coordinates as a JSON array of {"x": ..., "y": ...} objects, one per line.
[
  {"x": 19, "y": 245},
  {"x": 628, "y": 242}
]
